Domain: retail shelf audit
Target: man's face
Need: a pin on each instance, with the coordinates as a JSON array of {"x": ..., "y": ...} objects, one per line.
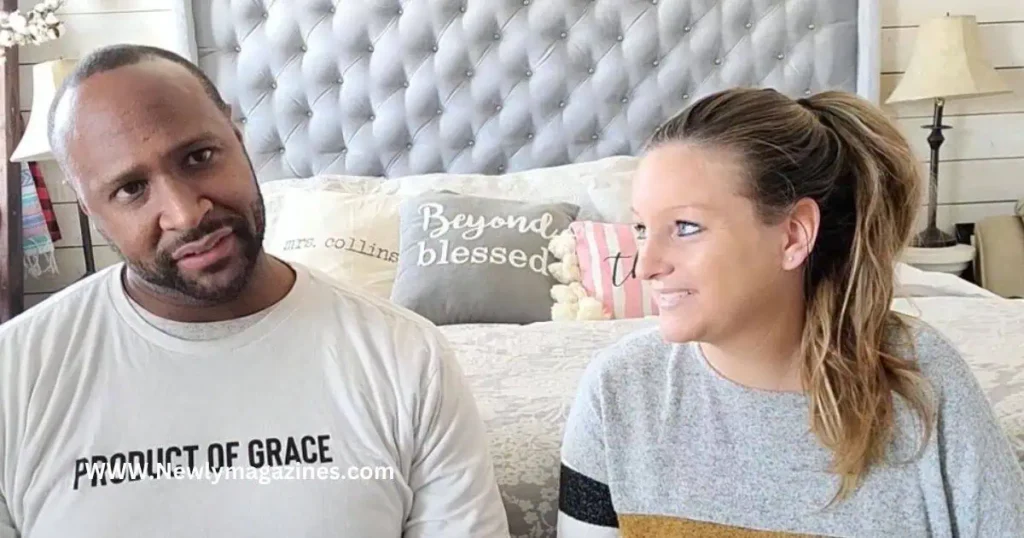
[{"x": 164, "y": 176}]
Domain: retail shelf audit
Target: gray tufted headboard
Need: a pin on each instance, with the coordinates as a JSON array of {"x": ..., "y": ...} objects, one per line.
[{"x": 399, "y": 87}]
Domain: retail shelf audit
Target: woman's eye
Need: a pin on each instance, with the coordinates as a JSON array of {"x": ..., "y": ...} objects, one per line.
[
  {"x": 686, "y": 228},
  {"x": 199, "y": 157}
]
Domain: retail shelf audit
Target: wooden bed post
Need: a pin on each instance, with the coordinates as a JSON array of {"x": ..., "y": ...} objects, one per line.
[{"x": 12, "y": 300}]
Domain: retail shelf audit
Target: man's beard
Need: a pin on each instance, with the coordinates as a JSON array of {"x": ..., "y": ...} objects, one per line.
[{"x": 164, "y": 274}]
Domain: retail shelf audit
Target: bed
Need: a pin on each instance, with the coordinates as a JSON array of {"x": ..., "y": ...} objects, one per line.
[{"x": 539, "y": 100}]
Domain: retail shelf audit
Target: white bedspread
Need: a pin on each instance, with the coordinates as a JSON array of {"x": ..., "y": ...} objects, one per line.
[{"x": 524, "y": 379}]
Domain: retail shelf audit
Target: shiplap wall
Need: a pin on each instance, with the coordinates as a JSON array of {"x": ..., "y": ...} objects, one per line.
[
  {"x": 89, "y": 24},
  {"x": 981, "y": 165},
  {"x": 981, "y": 174}
]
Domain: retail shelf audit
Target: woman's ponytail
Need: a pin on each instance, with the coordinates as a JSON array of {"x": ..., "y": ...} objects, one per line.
[{"x": 851, "y": 371}]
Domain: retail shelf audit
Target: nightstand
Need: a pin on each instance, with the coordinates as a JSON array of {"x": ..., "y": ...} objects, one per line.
[{"x": 954, "y": 260}]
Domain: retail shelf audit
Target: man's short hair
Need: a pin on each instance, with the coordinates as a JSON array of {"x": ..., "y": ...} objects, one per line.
[{"x": 114, "y": 56}]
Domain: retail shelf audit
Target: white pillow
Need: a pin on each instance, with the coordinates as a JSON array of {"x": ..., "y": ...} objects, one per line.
[
  {"x": 353, "y": 237},
  {"x": 611, "y": 197},
  {"x": 571, "y": 183},
  {"x": 274, "y": 192}
]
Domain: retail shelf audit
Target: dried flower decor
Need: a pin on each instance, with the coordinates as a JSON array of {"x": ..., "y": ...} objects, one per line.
[{"x": 32, "y": 28}]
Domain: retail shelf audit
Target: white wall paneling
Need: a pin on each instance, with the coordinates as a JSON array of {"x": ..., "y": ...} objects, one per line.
[{"x": 91, "y": 24}]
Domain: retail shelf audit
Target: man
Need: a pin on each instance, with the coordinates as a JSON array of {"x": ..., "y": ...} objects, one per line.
[{"x": 203, "y": 387}]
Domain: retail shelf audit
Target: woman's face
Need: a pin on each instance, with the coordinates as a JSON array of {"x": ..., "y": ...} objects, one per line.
[{"x": 713, "y": 264}]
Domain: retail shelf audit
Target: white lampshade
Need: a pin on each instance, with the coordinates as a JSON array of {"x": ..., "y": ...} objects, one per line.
[
  {"x": 46, "y": 79},
  {"x": 948, "y": 62}
]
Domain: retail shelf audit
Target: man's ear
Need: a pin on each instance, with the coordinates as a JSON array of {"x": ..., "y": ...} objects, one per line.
[
  {"x": 235, "y": 125},
  {"x": 78, "y": 195},
  {"x": 81, "y": 206}
]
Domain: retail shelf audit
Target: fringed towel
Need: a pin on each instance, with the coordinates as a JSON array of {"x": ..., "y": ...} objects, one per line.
[{"x": 39, "y": 223}]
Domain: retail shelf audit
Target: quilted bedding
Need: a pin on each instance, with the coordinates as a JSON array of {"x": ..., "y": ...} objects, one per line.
[{"x": 524, "y": 379}]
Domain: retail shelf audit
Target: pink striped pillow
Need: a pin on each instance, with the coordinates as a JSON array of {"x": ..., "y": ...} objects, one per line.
[{"x": 607, "y": 257}]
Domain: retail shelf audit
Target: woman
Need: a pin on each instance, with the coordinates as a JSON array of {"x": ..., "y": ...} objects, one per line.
[{"x": 780, "y": 396}]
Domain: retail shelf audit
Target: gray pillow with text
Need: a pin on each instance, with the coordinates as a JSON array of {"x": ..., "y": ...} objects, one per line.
[{"x": 472, "y": 259}]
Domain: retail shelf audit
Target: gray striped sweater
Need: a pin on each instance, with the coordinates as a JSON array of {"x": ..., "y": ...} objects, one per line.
[{"x": 659, "y": 444}]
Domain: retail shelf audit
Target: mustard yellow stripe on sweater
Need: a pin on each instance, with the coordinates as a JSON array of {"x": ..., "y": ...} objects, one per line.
[{"x": 643, "y": 526}]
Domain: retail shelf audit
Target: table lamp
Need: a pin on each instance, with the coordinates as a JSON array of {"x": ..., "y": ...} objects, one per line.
[
  {"x": 35, "y": 144},
  {"x": 948, "y": 62}
]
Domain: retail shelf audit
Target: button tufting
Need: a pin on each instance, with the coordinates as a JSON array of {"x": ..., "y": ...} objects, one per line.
[
  {"x": 781, "y": 56},
  {"x": 344, "y": 150},
  {"x": 619, "y": 38},
  {"x": 469, "y": 73},
  {"x": 655, "y": 63},
  {"x": 265, "y": 15},
  {"x": 501, "y": 168},
  {"x": 273, "y": 85},
  {"x": 400, "y": 11},
  {"x": 238, "y": 49},
  {"x": 686, "y": 96},
  {"x": 439, "y": 112},
  {"x": 408, "y": 146},
  {"x": 748, "y": 25},
  {"x": 339, "y": 80},
  {"x": 529, "y": 136},
  {"x": 497, "y": 108},
  {"x": 718, "y": 61},
  {"x": 655, "y": 2},
  {"x": 563, "y": 35},
  {"x": 372, "y": 117},
  {"x": 244, "y": 120},
  {"x": 593, "y": 137},
  {"x": 370, "y": 48},
  {"x": 529, "y": 73},
  {"x": 590, "y": 70},
  {"x": 810, "y": 26},
  {"x": 497, "y": 37},
  {"x": 526, "y": 2},
  {"x": 434, "y": 48},
  {"x": 561, "y": 104},
  {"x": 280, "y": 150},
  {"x": 807, "y": 92},
  {"x": 686, "y": 28},
  {"x": 304, "y": 49},
  {"x": 309, "y": 113},
  {"x": 332, "y": 9},
  {"x": 470, "y": 143},
  {"x": 462, "y": 9},
  {"x": 625, "y": 100},
  {"x": 405, "y": 84}
]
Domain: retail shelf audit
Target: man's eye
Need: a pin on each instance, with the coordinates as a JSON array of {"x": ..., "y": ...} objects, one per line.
[
  {"x": 199, "y": 157},
  {"x": 130, "y": 190},
  {"x": 640, "y": 231}
]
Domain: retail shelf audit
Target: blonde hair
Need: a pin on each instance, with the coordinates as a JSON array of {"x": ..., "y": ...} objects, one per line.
[{"x": 842, "y": 152}]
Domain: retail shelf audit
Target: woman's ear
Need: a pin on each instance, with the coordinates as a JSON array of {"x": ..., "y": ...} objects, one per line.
[{"x": 801, "y": 229}]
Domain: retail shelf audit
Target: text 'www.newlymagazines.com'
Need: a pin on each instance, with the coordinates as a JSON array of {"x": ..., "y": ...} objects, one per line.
[{"x": 101, "y": 474}]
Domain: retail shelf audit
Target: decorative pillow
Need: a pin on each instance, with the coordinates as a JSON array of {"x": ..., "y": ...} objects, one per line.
[
  {"x": 607, "y": 254},
  {"x": 351, "y": 237},
  {"x": 473, "y": 259}
]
